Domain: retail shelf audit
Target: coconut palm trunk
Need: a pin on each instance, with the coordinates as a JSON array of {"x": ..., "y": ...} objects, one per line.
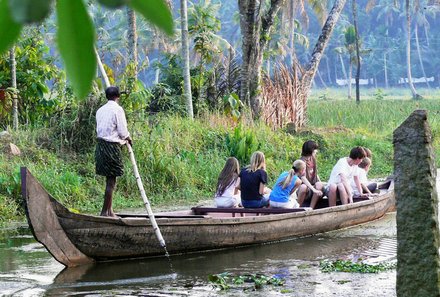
[
  {"x": 419, "y": 53},
  {"x": 358, "y": 57},
  {"x": 185, "y": 54},
  {"x": 132, "y": 40},
  {"x": 385, "y": 69},
  {"x": 101, "y": 70},
  {"x": 415, "y": 96},
  {"x": 254, "y": 26},
  {"x": 14, "y": 86},
  {"x": 311, "y": 68}
]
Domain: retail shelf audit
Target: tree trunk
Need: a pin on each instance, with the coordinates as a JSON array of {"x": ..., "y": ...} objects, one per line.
[
  {"x": 185, "y": 54},
  {"x": 102, "y": 70},
  {"x": 156, "y": 76},
  {"x": 350, "y": 71},
  {"x": 329, "y": 76},
  {"x": 419, "y": 53},
  {"x": 343, "y": 67},
  {"x": 132, "y": 40},
  {"x": 312, "y": 66},
  {"x": 320, "y": 79},
  {"x": 358, "y": 56},
  {"x": 292, "y": 8},
  {"x": 415, "y": 96},
  {"x": 254, "y": 28},
  {"x": 385, "y": 68},
  {"x": 14, "y": 86}
]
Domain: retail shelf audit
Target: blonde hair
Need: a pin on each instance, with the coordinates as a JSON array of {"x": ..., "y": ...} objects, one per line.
[
  {"x": 365, "y": 162},
  {"x": 257, "y": 161},
  {"x": 298, "y": 165}
]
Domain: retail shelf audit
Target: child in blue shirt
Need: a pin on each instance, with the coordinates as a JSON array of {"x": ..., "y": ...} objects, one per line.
[{"x": 286, "y": 184}]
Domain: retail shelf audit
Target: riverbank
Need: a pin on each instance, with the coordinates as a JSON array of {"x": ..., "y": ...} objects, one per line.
[{"x": 179, "y": 159}]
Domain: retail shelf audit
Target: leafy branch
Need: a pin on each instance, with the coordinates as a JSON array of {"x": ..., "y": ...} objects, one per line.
[{"x": 76, "y": 33}]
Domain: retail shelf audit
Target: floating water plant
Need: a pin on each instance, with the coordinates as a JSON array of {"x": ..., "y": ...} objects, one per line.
[
  {"x": 358, "y": 267},
  {"x": 226, "y": 280}
]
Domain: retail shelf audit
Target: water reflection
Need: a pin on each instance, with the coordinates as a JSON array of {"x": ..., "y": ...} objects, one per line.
[{"x": 26, "y": 269}]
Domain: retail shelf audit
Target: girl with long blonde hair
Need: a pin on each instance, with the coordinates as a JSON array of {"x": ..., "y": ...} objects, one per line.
[{"x": 253, "y": 180}]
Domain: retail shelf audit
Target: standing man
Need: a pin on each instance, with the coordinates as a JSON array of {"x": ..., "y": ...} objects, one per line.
[{"x": 112, "y": 134}]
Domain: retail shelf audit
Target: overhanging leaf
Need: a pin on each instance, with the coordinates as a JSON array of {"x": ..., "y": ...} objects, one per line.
[
  {"x": 113, "y": 3},
  {"x": 75, "y": 39},
  {"x": 28, "y": 11},
  {"x": 9, "y": 29},
  {"x": 155, "y": 11}
]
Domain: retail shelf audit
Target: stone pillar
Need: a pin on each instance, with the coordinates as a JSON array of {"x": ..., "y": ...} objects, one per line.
[{"x": 417, "y": 209}]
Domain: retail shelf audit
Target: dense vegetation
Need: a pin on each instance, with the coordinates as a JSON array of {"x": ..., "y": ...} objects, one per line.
[{"x": 179, "y": 159}]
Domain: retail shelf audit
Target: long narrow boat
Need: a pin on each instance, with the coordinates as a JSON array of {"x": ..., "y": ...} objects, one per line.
[{"x": 74, "y": 239}]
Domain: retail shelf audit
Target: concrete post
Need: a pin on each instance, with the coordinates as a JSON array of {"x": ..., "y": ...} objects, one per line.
[{"x": 417, "y": 209}]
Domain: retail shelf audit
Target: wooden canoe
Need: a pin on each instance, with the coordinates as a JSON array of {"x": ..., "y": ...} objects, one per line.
[{"x": 74, "y": 239}]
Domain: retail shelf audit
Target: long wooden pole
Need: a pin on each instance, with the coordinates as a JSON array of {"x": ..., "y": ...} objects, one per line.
[{"x": 144, "y": 197}]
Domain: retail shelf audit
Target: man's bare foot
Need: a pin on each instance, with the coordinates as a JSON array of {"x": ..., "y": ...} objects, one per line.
[{"x": 108, "y": 214}]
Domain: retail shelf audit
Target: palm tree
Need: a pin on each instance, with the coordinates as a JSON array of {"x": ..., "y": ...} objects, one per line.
[
  {"x": 421, "y": 20},
  {"x": 415, "y": 96},
  {"x": 358, "y": 57},
  {"x": 185, "y": 55},
  {"x": 132, "y": 40}
]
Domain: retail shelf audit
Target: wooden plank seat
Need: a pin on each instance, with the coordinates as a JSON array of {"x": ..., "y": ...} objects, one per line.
[
  {"x": 160, "y": 216},
  {"x": 242, "y": 211}
]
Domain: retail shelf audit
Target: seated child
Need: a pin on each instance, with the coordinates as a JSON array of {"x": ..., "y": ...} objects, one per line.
[
  {"x": 253, "y": 180},
  {"x": 286, "y": 185},
  {"x": 367, "y": 188},
  {"x": 227, "y": 194},
  {"x": 339, "y": 183}
]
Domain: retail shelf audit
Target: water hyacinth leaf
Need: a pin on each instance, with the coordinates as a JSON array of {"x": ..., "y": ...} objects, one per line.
[
  {"x": 75, "y": 39},
  {"x": 113, "y": 3},
  {"x": 155, "y": 11},
  {"x": 9, "y": 29},
  {"x": 29, "y": 11}
]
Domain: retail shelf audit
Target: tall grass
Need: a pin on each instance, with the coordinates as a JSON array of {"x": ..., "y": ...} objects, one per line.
[{"x": 179, "y": 159}]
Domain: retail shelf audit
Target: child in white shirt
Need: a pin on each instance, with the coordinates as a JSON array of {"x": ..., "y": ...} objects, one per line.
[
  {"x": 366, "y": 187},
  {"x": 338, "y": 185},
  {"x": 227, "y": 193}
]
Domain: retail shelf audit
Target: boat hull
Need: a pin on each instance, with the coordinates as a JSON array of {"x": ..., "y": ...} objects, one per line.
[{"x": 102, "y": 238}]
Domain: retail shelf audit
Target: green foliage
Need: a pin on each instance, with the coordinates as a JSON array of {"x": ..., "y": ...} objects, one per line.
[
  {"x": 202, "y": 26},
  {"x": 350, "y": 36},
  {"x": 76, "y": 37},
  {"x": 156, "y": 11},
  {"x": 9, "y": 29},
  {"x": 35, "y": 68},
  {"x": 358, "y": 267},
  {"x": 75, "y": 33},
  {"x": 179, "y": 159},
  {"x": 113, "y": 3},
  {"x": 162, "y": 99},
  {"x": 73, "y": 128},
  {"x": 242, "y": 143},
  {"x": 379, "y": 94},
  {"x": 233, "y": 105},
  {"x": 28, "y": 11},
  {"x": 225, "y": 280}
]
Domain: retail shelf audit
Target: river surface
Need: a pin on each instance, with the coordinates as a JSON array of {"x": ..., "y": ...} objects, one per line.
[{"x": 27, "y": 269}]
